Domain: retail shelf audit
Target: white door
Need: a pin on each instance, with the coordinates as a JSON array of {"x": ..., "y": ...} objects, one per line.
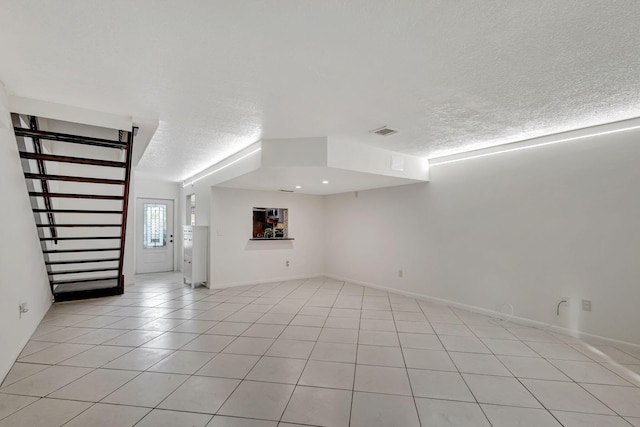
[{"x": 154, "y": 236}]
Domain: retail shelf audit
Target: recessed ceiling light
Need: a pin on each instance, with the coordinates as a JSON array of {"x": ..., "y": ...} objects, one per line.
[
  {"x": 325, "y": 182},
  {"x": 298, "y": 187}
]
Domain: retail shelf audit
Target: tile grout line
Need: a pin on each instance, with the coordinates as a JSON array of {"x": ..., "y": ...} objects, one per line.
[
  {"x": 253, "y": 366},
  {"x": 404, "y": 360},
  {"x": 528, "y": 390},
  {"x": 257, "y": 361},
  {"x": 311, "y": 352},
  {"x": 181, "y": 296},
  {"x": 456, "y": 366},
  {"x": 355, "y": 367}
]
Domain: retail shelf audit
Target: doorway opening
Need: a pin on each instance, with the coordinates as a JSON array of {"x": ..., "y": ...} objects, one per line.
[
  {"x": 154, "y": 240},
  {"x": 191, "y": 210}
]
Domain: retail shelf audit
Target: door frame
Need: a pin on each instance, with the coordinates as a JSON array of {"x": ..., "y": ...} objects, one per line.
[{"x": 139, "y": 234}]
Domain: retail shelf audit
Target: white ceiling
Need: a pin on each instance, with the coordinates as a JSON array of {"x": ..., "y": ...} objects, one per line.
[{"x": 219, "y": 75}]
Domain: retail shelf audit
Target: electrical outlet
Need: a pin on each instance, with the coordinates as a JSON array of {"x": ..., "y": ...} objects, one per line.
[
  {"x": 400, "y": 273},
  {"x": 586, "y": 305}
]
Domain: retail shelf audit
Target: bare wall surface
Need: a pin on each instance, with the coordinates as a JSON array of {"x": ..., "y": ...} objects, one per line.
[
  {"x": 523, "y": 228},
  {"x": 234, "y": 259},
  {"x": 23, "y": 277}
]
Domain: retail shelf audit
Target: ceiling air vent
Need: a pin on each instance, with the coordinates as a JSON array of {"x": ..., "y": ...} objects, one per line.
[{"x": 384, "y": 131}]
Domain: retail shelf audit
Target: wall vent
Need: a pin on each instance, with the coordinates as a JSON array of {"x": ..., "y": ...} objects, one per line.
[{"x": 384, "y": 131}]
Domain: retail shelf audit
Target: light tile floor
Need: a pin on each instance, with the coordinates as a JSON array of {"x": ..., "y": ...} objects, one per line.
[{"x": 313, "y": 352}]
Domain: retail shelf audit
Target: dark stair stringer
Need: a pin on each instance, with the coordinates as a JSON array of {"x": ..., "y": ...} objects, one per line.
[{"x": 82, "y": 240}]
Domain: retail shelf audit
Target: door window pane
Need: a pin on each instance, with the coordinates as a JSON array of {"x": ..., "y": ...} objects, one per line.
[{"x": 155, "y": 225}]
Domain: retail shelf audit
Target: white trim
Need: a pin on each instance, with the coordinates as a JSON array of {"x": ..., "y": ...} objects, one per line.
[
  {"x": 188, "y": 182},
  {"x": 51, "y": 110},
  {"x": 532, "y": 143},
  {"x": 475, "y": 309}
]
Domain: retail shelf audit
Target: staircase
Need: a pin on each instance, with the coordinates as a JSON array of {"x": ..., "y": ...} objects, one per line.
[{"x": 79, "y": 191}]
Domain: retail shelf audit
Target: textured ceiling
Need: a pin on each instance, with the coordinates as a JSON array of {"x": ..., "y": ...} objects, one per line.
[{"x": 219, "y": 75}]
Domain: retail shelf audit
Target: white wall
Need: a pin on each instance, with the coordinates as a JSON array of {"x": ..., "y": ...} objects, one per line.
[
  {"x": 154, "y": 189},
  {"x": 244, "y": 161},
  {"x": 23, "y": 277},
  {"x": 345, "y": 154},
  {"x": 524, "y": 228},
  {"x": 294, "y": 152},
  {"x": 234, "y": 259}
]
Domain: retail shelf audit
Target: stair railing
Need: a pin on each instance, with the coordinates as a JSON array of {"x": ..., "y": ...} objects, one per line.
[{"x": 42, "y": 170}]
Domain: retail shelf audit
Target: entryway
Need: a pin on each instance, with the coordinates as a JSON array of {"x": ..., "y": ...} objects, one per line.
[{"x": 154, "y": 236}]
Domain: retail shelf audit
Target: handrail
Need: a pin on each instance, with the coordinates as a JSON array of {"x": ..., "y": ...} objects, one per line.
[
  {"x": 125, "y": 204},
  {"x": 33, "y": 124}
]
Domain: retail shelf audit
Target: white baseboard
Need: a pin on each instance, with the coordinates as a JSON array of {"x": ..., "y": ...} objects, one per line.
[
  {"x": 475, "y": 309},
  {"x": 263, "y": 280}
]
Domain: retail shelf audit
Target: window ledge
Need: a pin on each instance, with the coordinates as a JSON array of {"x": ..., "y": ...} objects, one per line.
[{"x": 272, "y": 238}]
